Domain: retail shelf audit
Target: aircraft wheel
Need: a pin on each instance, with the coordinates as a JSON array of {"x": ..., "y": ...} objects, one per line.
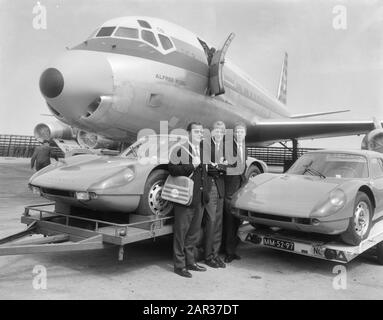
[
  {"x": 151, "y": 202},
  {"x": 360, "y": 222}
]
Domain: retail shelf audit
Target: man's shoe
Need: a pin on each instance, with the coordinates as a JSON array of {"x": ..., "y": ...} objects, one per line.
[
  {"x": 183, "y": 272},
  {"x": 220, "y": 263},
  {"x": 212, "y": 263},
  {"x": 230, "y": 257},
  {"x": 195, "y": 267}
]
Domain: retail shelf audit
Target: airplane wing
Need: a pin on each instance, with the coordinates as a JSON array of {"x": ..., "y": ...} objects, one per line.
[{"x": 280, "y": 130}]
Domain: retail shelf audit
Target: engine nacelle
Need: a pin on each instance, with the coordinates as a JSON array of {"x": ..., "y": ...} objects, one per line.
[
  {"x": 53, "y": 130},
  {"x": 94, "y": 141},
  {"x": 373, "y": 141}
]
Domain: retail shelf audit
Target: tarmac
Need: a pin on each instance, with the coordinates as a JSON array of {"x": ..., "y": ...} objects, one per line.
[{"x": 147, "y": 270}]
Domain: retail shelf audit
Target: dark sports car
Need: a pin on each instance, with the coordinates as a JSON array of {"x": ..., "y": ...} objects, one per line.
[{"x": 327, "y": 192}]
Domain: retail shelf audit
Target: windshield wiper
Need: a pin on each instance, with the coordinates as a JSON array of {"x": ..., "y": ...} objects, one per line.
[{"x": 314, "y": 172}]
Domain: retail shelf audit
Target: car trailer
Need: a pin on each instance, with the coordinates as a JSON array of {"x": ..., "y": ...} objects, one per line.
[
  {"x": 317, "y": 246},
  {"x": 63, "y": 232}
]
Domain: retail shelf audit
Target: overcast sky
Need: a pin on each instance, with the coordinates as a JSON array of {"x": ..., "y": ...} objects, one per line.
[{"x": 328, "y": 69}]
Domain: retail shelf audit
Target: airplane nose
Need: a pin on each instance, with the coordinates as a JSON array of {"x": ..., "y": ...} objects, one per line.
[
  {"x": 74, "y": 84},
  {"x": 51, "y": 83}
]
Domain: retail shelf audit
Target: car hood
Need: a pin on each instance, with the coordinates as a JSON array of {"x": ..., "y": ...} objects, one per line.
[
  {"x": 284, "y": 195},
  {"x": 80, "y": 172}
]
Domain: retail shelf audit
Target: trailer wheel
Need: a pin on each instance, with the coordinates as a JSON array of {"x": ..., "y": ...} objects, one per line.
[
  {"x": 360, "y": 222},
  {"x": 151, "y": 202},
  {"x": 379, "y": 252}
]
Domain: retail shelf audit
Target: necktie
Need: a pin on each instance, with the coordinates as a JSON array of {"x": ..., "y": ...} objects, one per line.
[{"x": 240, "y": 152}]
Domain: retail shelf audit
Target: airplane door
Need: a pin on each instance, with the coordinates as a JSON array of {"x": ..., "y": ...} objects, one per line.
[{"x": 216, "y": 85}]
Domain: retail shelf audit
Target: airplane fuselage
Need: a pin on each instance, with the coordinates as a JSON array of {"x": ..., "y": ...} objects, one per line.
[{"x": 116, "y": 85}]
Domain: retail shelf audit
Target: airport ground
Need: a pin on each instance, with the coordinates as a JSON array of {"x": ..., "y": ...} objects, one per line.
[{"x": 146, "y": 271}]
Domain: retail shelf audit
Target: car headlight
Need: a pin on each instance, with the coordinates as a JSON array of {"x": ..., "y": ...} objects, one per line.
[
  {"x": 335, "y": 201},
  {"x": 119, "y": 179},
  {"x": 337, "y": 198}
]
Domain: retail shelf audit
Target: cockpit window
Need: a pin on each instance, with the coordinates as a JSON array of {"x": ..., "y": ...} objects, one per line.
[
  {"x": 165, "y": 41},
  {"x": 149, "y": 37},
  {"x": 105, "y": 31},
  {"x": 126, "y": 33},
  {"x": 144, "y": 24}
]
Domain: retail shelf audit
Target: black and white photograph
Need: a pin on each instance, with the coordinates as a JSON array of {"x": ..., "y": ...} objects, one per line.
[{"x": 205, "y": 152}]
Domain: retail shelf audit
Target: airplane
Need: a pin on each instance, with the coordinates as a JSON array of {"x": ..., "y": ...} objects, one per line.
[{"x": 133, "y": 72}]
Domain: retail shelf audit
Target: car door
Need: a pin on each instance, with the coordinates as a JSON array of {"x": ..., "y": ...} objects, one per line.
[{"x": 376, "y": 172}]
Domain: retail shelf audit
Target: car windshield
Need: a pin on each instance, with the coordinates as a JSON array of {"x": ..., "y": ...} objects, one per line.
[
  {"x": 150, "y": 146},
  {"x": 334, "y": 165}
]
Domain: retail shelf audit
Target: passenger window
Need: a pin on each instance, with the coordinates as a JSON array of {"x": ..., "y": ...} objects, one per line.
[
  {"x": 149, "y": 37},
  {"x": 105, "y": 32},
  {"x": 165, "y": 41},
  {"x": 144, "y": 24},
  {"x": 376, "y": 168},
  {"x": 126, "y": 33}
]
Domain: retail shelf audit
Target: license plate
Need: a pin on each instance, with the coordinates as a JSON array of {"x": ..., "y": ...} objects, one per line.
[{"x": 276, "y": 243}]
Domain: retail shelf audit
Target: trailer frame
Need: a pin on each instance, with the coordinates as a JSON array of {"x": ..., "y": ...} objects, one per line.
[
  {"x": 316, "y": 246},
  {"x": 66, "y": 232}
]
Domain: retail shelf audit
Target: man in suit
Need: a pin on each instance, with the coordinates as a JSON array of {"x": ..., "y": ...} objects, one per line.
[
  {"x": 187, "y": 219},
  {"x": 42, "y": 156},
  {"x": 214, "y": 209},
  {"x": 234, "y": 178}
]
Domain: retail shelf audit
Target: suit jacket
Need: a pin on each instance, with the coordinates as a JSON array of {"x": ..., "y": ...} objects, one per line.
[
  {"x": 236, "y": 179},
  {"x": 42, "y": 156},
  {"x": 201, "y": 186},
  {"x": 218, "y": 172}
]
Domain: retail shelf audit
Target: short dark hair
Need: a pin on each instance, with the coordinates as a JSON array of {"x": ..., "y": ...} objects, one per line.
[
  {"x": 191, "y": 124},
  {"x": 240, "y": 124},
  {"x": 46, "y": 141}
]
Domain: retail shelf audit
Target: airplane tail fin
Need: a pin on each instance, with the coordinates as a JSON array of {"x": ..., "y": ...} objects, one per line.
[{"x": 282, "y": 88}]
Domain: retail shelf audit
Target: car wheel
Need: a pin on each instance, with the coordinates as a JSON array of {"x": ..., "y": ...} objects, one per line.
[
  {"x": 151, "y": 202},
  {"x": 252, "y": 172},
  {"x": 379, "y": 252},
  {"x": 360, "y": 222}
]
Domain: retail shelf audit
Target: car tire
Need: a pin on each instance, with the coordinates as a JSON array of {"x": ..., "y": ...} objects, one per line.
[
  {"x": 379, "y": 252},
  {"x": 151, "y": 202},
  {"x": 360, "y": 223},
  {"x": 252, "y": 172}
]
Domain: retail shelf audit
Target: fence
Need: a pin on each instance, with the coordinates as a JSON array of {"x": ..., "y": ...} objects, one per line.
[
  {"x": 275, "y": 156},
  {"x": 20, "y": 146},
  {"x": 23, "y": 147}
]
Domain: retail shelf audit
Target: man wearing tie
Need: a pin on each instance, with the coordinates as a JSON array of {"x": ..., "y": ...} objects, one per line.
[
  {"x": 235, "y": 177},
  {"x": 214, "y": 209},
  {"x": 187, "y": 219}
]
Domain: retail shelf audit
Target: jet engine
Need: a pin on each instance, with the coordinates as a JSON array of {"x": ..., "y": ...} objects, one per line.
[
  {"x": 94, "y": 141},
  {"x": 53, "y": 130},
  {"x": 373, "y": 140}
]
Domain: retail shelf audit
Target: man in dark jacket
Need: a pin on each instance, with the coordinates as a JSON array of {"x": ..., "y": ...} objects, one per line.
[
  {"x": 187, "y": 219},
  {"x": 234, "y": 178},
  {"x": 214, "y": 209},
  {"x": 42, "y": 156}
]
